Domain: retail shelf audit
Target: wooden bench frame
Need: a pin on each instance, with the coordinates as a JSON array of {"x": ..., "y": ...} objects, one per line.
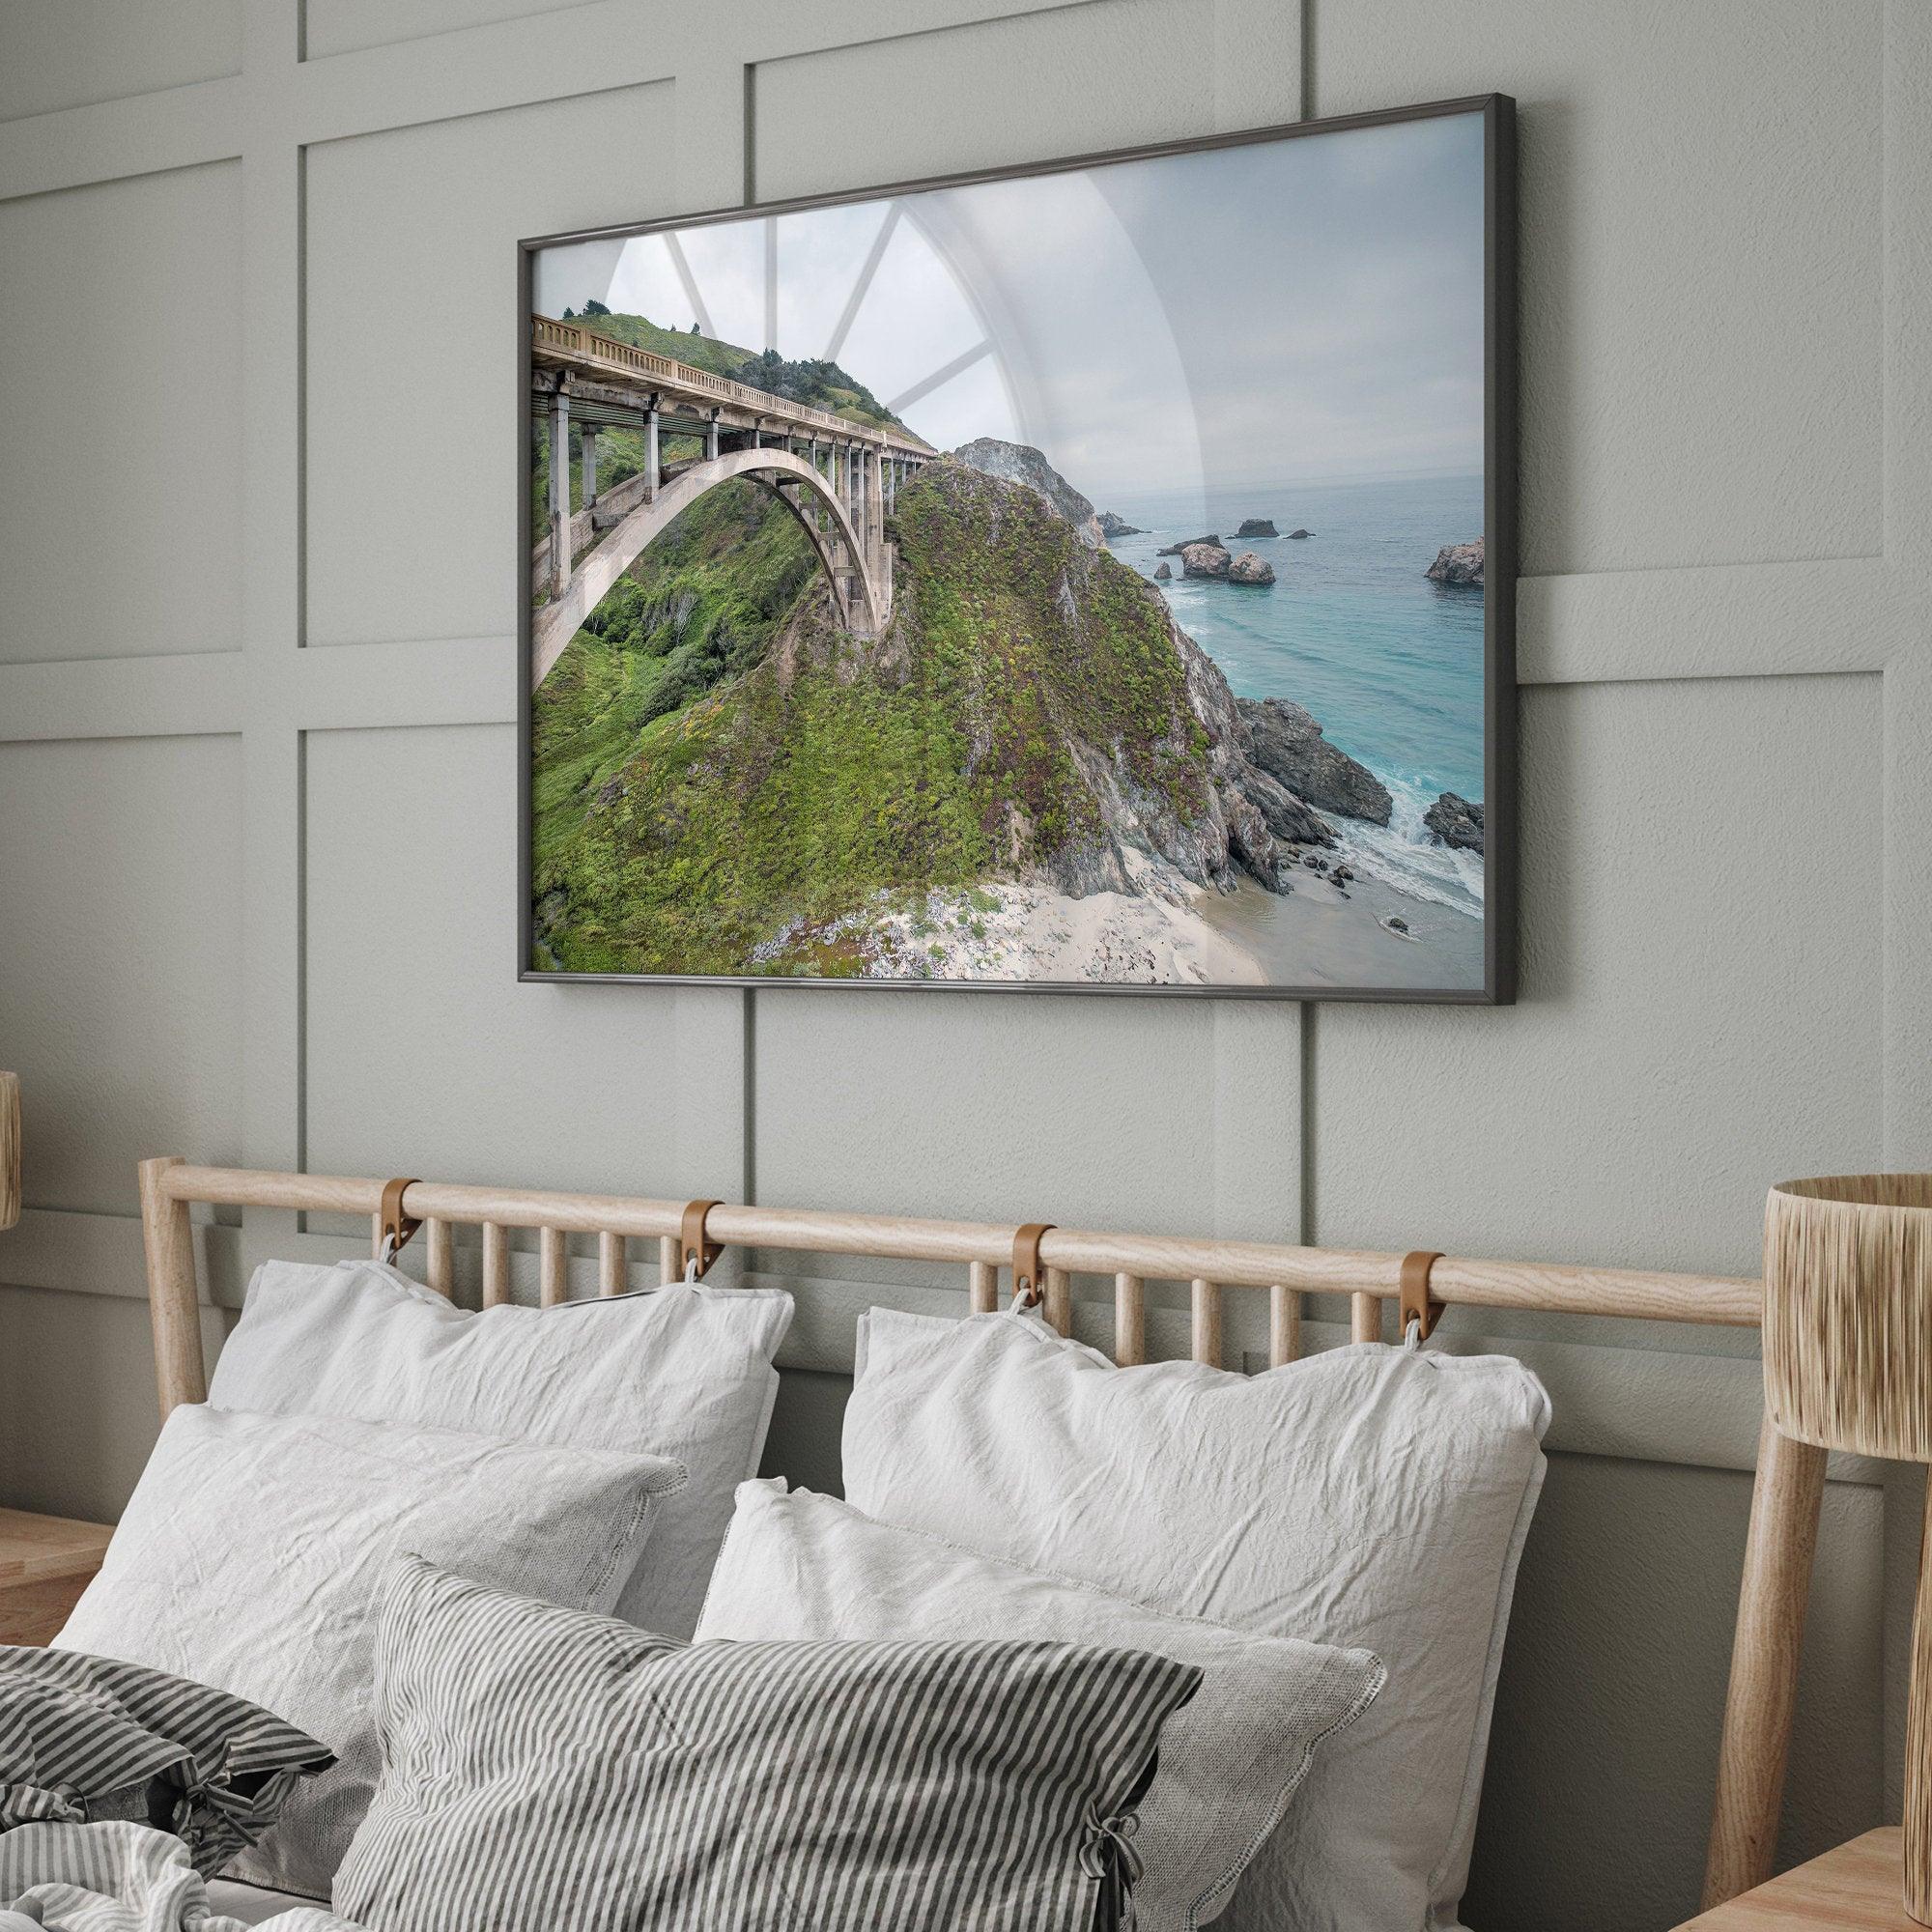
[{"x": 1785, "y": 1500}]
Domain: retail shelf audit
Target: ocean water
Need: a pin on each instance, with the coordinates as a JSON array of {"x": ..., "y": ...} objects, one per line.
[{"x": 1389, "y": 664}]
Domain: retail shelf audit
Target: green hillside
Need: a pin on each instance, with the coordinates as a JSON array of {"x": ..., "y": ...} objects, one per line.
[
  {"x": 803, "y": 773},
  {"x": 817, "y": 384}
]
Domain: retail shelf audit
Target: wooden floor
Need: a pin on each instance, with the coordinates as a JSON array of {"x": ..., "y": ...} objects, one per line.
[{"x": 1856, "y": 1887}]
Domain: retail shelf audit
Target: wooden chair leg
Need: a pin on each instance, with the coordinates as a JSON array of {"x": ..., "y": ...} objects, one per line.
[
  {"x": 172, "y": 1298},
  {"x": 1785, "y": 1500}
]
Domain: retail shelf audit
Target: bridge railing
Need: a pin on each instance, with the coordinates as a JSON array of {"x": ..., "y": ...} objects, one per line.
[{"x": 569, "y": 338}]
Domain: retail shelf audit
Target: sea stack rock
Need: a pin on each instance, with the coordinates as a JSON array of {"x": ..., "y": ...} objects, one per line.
[
  {"x": 1112, "y": 526},
  {"x": 1248, "y": 568},
  {"x": 1458, "y": 563},
  {"x": 1288, "y": 745},
  {"x": 1299, "y": 533},
  {"x": 1205, "y": 559},
  {"x": 1257, "y": 526},
  {"x": 1164, "y": 575},
  {"x": 1455, "y": 822},
  {"x": 1177, "y": 550}
]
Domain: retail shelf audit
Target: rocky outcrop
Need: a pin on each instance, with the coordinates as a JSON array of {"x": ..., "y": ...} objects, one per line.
[
  {"x": 1455, "y": 821},
  {"x": 1112, "y": 526},
  {"x": 1119, "y": 760},
  {"x": 1021, "y": 462},
  {"x": 1265, "y": 823},
  {"x": 1300, "y": 533},
  {"x": 1205, "y": 559},
  {"x": 1288, "y": 817},
  {"x": 1458, "y": 563},
  {"x": 1248, "y": 568},
  {"x": 1257, "y": 526},
  {"x": 1176, "y": 550},
  {"x": 1164, "y": 575},
  {"x": 1288, "y": 745}
]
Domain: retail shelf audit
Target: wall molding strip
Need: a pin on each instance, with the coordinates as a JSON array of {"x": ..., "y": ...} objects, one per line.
[{"x": 142, "y": 134}]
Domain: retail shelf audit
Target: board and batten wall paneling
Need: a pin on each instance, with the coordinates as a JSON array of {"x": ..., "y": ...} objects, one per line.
[
  {"x": 84, "y": 53},
  {"x": 1705, "y": 864},
  {"x": 121, "y": 418},
  {"x": 1605, "y": 1741},
  {"x": 410, "y": 531},
  {"x": 346, "y": 26},
  {"x": 417, "y": 1033},
  {"x": 120, "y": 957},
  {"x": 1703, "y": 382},
  {"x": 257, "y": 699}
]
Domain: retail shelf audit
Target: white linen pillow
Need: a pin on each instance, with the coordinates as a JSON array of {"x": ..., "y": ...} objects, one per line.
[
  {"x": 1373, "y": 1497},
  {"x": 684, "y": 1371},
  {"x": 253, "y": 1553},
  {"x": 801, "y": 1566}
]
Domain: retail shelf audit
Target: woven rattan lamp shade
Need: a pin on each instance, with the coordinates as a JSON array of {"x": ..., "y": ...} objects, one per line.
[
  {"x": 1848, "y": 1365},
  {"x": 1848, "y": 1313}
]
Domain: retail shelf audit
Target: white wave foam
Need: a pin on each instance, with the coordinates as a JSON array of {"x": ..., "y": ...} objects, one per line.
[{"x": 1403, "y": 853}]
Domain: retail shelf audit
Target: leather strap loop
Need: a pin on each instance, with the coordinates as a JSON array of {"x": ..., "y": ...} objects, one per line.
[
  {"x": 1419, "y": 1305},
  {"x": 394, "y": 1225},
  {"x": 694, "y": 1246},
  {"x": 1029, "y": 1277}
]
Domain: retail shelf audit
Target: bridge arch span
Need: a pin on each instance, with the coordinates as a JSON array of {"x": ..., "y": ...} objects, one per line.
[{"x": 553, "y": 626}]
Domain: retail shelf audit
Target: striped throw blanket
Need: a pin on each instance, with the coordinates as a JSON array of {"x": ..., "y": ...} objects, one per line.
[
  {"x": 120, "y": 1877},
  {"x": 85, "y": 1739}
]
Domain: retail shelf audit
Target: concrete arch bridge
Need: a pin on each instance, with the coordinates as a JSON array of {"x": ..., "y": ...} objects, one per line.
[{"x": 837, "y": 477}]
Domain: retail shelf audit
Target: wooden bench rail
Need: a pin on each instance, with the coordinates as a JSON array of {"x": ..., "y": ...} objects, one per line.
[{"x": 1640, "y": 1295}]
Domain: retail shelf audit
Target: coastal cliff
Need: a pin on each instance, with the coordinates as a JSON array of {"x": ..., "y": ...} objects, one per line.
[
  {"x": 1021, "y": 462},
  {"x": 1032, "y": 742}
]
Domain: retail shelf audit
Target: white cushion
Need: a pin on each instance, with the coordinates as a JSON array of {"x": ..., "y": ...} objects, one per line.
[
  {"x": 252, "y": 1552},
  {"x": 684, "y": 1371},
  {"x": 1373, "y": 1497},
  {"x": 805, "y": 1566}
]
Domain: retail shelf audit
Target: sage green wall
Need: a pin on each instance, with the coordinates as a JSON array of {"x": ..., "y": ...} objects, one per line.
[{"x": 257, "y": 678}]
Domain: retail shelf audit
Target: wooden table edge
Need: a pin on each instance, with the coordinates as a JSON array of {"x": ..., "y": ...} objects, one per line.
[{"x": 1858, "y": 1887}]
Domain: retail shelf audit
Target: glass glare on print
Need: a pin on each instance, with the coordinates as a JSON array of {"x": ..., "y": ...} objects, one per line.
[{"x": 1068, "y": 578}]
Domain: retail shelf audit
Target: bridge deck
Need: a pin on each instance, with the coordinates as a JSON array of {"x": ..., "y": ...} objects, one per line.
[{"x": 585, "y": 354}]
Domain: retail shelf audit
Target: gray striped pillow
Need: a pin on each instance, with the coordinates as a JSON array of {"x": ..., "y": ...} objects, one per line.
[
  {"x": 551, "y": 1771},
  {"x": 88, "y": 1738}
]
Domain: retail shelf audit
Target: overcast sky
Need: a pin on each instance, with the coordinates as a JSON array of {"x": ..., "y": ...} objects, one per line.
[{"x": 1287, "y": 310}]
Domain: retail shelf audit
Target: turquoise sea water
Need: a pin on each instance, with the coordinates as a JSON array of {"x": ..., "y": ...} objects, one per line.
[{"x": 1389, "y": 664}]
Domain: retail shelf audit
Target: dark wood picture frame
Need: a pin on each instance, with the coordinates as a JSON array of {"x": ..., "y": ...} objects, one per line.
[{"x": 1499, "y": 515}]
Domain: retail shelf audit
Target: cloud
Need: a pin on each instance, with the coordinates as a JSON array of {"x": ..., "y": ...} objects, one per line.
[{"x": 1287, "y": 309}]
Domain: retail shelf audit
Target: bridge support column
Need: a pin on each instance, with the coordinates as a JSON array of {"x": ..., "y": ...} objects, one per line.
[
  {"x": 877, "y": 559},
  {"x": 711, "y": 440},
  {"x": 560, "y": 492},
  {"x": 650, "y": 455},
  {"x": 589, "y": 438}
]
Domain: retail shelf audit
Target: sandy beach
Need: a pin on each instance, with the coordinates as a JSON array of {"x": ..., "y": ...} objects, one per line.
[
  {"x": 1003, "y": 931},
  {"x": 1175, "y": 934},
  {"x": 1316, "y": 937}
]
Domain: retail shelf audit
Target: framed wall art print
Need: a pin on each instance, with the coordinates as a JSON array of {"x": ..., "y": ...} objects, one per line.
[{"x": 1094, "y": 576}]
